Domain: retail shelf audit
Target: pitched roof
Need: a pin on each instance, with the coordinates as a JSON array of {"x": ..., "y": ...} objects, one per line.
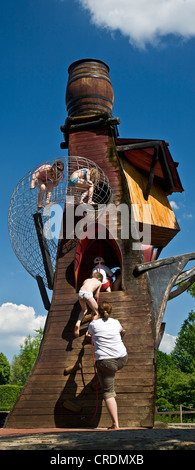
[{"x": 152, "y": 155}]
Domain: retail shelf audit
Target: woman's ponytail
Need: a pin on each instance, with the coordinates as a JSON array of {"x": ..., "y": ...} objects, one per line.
[
  {"x": 106, "y": 315},
  {"x": 105, "y": 310}
]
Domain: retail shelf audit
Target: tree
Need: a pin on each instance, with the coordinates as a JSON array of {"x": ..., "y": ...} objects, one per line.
[
  {"x": 183, "y": 353},
  {"x": 4, "y": 370},
  {"x": 22, "y": 364},
  {"x": 176, "y": 371},
  {"x": 165, "y": 366},
  {"x": 191, "y": 290},
  {"x": 175, "y": 387},
  {"x": 164, "y": 361}
]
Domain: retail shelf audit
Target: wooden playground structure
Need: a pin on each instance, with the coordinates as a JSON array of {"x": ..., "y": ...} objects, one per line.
[{"x": 62, "y": 389}]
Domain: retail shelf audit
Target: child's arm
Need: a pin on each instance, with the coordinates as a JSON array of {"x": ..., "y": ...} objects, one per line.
[
  {"x": 32, "y": 184},
  {"x": 88, "y": 334},
  {"x": 88, "y": 174},
  {"x": 35, "y": 175},
  {"x": 97, "y": 292}
]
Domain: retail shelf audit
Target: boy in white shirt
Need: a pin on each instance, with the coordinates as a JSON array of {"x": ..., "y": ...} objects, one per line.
[{"x": 105, "y": 271}]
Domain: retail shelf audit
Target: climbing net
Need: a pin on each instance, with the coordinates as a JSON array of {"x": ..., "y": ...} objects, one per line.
[{"x": 23, "y": 205}]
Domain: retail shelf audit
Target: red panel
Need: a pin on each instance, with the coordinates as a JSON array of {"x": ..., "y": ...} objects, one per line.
[
  {"x": 83, "y": 244},
  {"x": 149, "y": 253}
]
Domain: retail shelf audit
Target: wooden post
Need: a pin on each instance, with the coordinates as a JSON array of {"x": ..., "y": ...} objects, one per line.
[
  {"x": 43, "y": 292},
  {"x": 181, "y": 415},
  {"x": 44, "y": 249}
]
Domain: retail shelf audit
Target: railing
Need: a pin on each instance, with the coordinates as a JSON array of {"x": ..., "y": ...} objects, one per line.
[{"x": 180, "y": 412}]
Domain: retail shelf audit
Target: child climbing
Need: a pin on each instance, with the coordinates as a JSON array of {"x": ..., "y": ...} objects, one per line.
[
  {"x": 46, "y": 178},
  {"x": 85, "y": 179},
  {"x": 87, "y": 294},
  {"x": 110, "y": 353},
  {"x": 106, "y": 273}
]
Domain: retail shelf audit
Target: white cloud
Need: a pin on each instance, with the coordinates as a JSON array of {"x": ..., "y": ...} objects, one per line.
[
  {"x": 187, "y": 216},
  {"x": 174, "y": 205},
  {"x": 144, "y": 21},
  {"x": 184, "y": 215},
  {"x": 168, "y": 343},
  {"x": 16, "y": 323}
]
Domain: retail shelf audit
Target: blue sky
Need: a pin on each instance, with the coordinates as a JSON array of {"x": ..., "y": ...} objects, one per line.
[{"x": 152, "y": 68}]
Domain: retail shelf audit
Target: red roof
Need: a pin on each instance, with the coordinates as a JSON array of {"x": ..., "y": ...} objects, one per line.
[{"x": 140, "y": 152}]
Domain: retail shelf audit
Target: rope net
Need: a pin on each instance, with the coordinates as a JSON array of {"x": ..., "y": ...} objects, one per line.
[{"x": 23, "y": 205}]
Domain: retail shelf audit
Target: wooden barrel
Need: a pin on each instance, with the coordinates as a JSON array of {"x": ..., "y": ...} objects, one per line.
[{"x": 89, "y": 89}]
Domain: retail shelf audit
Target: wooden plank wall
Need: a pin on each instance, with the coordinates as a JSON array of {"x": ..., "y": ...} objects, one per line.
[
  {"x": 47, "y": 388},
  {"x": 164, "y": 225}
]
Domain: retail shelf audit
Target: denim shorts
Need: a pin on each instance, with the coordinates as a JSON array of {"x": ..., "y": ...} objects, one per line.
[
  {"x": 73, "y": 182},
  {"x": 106, "y": 369}
]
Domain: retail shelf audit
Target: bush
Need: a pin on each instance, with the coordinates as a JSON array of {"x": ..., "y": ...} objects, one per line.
[
  {"x": 4, "y": 370},
  {"x": 163, "y": 405},
  {"x": 174, "y": 418},
  {"x": 9, "y": 395}
]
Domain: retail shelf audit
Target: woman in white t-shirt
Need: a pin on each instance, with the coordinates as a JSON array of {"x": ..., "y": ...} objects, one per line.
[{"x": 110, "y": 353}]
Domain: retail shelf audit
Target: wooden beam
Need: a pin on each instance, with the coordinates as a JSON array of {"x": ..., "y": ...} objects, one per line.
[
  {"x": 152, "y": 172},
  {"x": 163, "y": 275},
  {"x": 82, "y": 125},
  {"x": 64, "y": 145},
  {"x": 160, "y": 335},
  {"x": 43, "y": 292},
  {"x": 44, "y": 249},
  {"x": 141, "y": 268},
  {"x": 182, "y": 288},
  {"x": 138, "y": 145},
  {"x": 165, "y": 166},
  {"x": 184, "y": 276}
]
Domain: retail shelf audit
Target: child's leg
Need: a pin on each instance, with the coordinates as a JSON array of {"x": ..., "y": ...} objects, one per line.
[
  {"x": 41, "y": 195},
  {"x": 81, "y": 316},
  {"x": 49, "y": 192},
  {"x": 90, "y": 192},
  {"x": 82, "y": 184},
  {"x": 83, "y": 196},
  {"x": 94, "y": 307}
]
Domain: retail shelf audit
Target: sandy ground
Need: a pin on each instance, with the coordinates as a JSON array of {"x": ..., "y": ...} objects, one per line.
[{"x": 170, "y": 438}]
